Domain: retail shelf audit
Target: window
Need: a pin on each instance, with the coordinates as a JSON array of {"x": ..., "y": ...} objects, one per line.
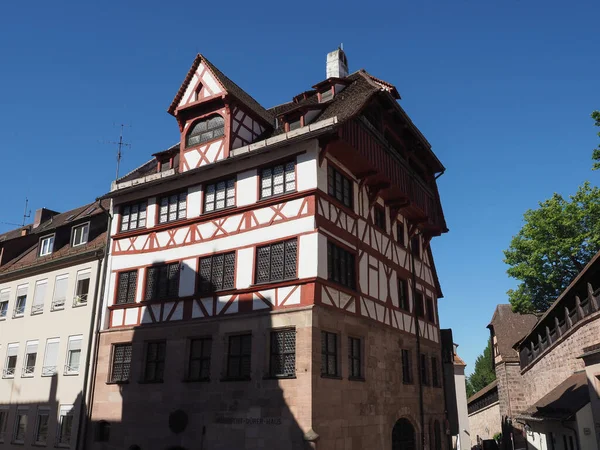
[
  {"x": 121, "y": 363},
  {"x": 46, "y": 245},
  {"x": 355, "y": 358},
  {"x": 199, "y": 364},
  {"x": 294, "y": 124},
  {"x": 326, "y": 95},
  {"x": 50, "y": 357},
  {"x": 415, "y": 246},
  {"x": 21, "y": 301},
  {"x": 133, "y": 216},
  {"x": 329, "y": 354},
  {"x": 419, "y": 304},
  {"x": 403, "y": 294},
  {"x": 217, "y": 272},
  {"x": 379, "y": 217},
  {"x": 434, "y": 372},
  {"x": 341, "y": 267},
  {"x": 31, "y": 348},
  {"x": 65, "y": 426},
  {"x": 430, "y": 309},
  {"x": 60, "y": 292},
  {"x": 278, "y": 180},
  {"x": 73, "y": 355},
  {"x": 155, "y": 362},
  {"x": 20, "y": 426},
  {"x": 162, "y": 282},
  {"x": 126, "y": 287},
  {"x": 82, "y": 289},
  {"x": 11, "y": 360},
  {"x": 4, "y": 297},
  {"x": 339, "y": 186},
  {"x": 219, "y": 195},
  {"x": 39, "y": 296},
  {"x": 3, "y": 423},
  {"x": 276, "y": 262},
  {"x": 407, "y": 376},
  {"x": 424, "y": 373},
  {"x": 283, "y": 353},
  {"x": 41, "y": 426},
  {"x": 80, "y": 234},
  {"x": 173, "y": 207},
  {"x": 205, "y": 130},
  {"x": 239, "y": 356},
  {"x": 400, "y": 234}
]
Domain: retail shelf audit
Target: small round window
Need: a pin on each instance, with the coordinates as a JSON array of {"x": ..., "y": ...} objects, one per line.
[{"x": 205, "y": 130}]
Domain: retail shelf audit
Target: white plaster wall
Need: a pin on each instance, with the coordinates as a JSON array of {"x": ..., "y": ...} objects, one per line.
[
  {"x": 308, "y": 256},
  {"x": 151, "y": 212},
  {"x": 194, "y": 201},
  {"x": 244, "y": 268},
  {"x": 306, "y": 168},
  {"x": 461, "y": 405},
  {"x": 247, "y": 188}
]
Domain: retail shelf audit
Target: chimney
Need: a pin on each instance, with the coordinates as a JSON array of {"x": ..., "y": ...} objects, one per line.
[
  {"x": 41, "y": 215},
  {"x": 337, "y": 64}
]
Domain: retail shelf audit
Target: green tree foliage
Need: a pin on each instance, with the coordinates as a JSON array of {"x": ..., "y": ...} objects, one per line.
[
  {"x": 596, "y": 153},
  {"x": 483, "y": 374},
  {"x": 558, "y": 239}
]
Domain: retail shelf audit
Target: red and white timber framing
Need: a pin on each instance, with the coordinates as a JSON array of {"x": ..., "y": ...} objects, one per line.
[{"x": 308, "y": 214}]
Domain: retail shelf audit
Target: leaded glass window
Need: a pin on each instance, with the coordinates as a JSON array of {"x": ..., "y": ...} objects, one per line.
[
  {"x": 276, "y": 262},
  {"x": 219, "y": 195},
  {"x": 329, "y": 354},
  {"x": 355, "y": 357},
  {"x": 217, "y": 272},
  {"x": 199, "y": 364},
  {"x": 126, "y": 287},
  {"x": 206, "y": 130},
  {"x": 277, "y": 180},
  {"x": 121, "y": 363},
  {"x": 341, "y": 267},
  {"x": 339, "y": 186},
  {"x": 162, "y": 282},
  {"x": 173, "y": 207},
  {"x": 155, "y": 361},
  {"x": 283, "y": 353},
  {"x": 133, "y": 216},
  {"x": 239, "y": 356}
]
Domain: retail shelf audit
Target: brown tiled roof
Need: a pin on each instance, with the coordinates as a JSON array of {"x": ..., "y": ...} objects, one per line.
[
  {"x": 85, "y": 211},
  {"x": 458, "y": 361},
  {"x": 509, "y": 328},
  {"x": 482, "y": 392},
  {"x": 231, "y": 88},
  {"x": 12, "y": 234},
  {"x": 563, "y": 401}
]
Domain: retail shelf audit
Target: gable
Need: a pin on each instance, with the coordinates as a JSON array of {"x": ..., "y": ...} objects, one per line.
[{"x": 201, "y": 85}]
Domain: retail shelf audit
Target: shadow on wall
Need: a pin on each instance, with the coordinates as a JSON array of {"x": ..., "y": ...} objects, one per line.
[{"x": 201, "y": 384}]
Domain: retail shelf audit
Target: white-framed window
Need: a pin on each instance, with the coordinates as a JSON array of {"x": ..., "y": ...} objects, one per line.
[
  {"x": 21, "y": 301},
  {"x": 65, "y": 426},
  {"x": 11, "y": 360},
  {"x": 133, "y": 216},
  {"x": 3, "y": 422},
  {"x": 219, "y": 195},
  {"x": 37, "y": 307},
  {"x": 41, "y": 425},
  {"x": 277, "y": 180},
  {"x": 46, "y": 245},
  {"x": 80, "y": 234},
  {"x": 82, "y": 288},
  {"x": 172, "y": 207},
  {"x": 4, "y": 297},
  {"x": 31, "y": 349},
  {"x": 73, "y": 355},
  {"x": 20, "y": 425},
  {"x": 50, "y": 357},
  {"x": 60, "y": 292}
]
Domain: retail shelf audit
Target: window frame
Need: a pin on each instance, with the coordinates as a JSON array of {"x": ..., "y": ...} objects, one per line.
[
  {"x": 4, "y": 301},
  {"x": 204, "y": 119},
  {"x": 332, "y": 184},
  {"x": 407, "y": 368},
  {"x": 200, "y": 282},
  {"x": 404, "y": 299},
  {"x": 419, "y": 299},
  {"x": 85, "y": 235},
  {"x": 378, "y": 216},
  {"x": 128, "y": 288},
  {"x": 271, "y": 167},
  {"x": 416, "y": 252},
  {"x": 69, "y": 370},
  {"x": 284, "y": 353},
  {"x": 51, "y": 246},
  {"x": 9, "y": 372},
  {"x": 3, "y": 423},
  {"x": 400, "y": 236},
  {"x": 42, "y": 411},
  {"x": 159, "y": 376},
  {"x": 225, "y": 198},
  {"x": 240, "y": 357},
  {"x": 327, "y": 352},
  {"x": 21, "y": 411},
  {"x": 346, "y": 265},
  {"x": 352, "y": 357},
  {"x": 423, "y": 372},
  {"x": 48, "y": 371},
  {"x": 270, "y": 277},
  {"x": 113, "y": 354},
  {"x": 435, "y": 372},
  {"x": 21, "y": 301},
  {"x": 137, "y": 220},
  {"x": 169, "y": 295},
  {"x": 59, "y": 425},
  {"x": 27, "y": 371},
  {"x": 178, "y": 213},
  {"x": 203, "y": 359},
  {"x": 80, "y": 278},
  {"x": 430, "y": 309}
]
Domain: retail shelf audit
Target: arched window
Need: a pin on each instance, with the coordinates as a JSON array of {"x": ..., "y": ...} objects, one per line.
[
  {"x": 403, "y": 436},
  {"x": 205, "y": 130}
]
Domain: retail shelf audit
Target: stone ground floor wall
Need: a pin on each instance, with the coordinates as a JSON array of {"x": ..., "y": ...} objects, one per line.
[
  {"x": 360, "y": 414},
  {"x": 485, "y": 423}
]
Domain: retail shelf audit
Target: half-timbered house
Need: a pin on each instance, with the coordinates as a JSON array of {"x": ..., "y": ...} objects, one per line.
[{"x": 271, "y": 282}]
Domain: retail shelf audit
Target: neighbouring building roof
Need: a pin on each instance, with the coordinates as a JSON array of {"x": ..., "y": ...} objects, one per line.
[
  {"x": 562, "y": 402},
  {"x": 509, "y": 328},
  {"x": 483, "y": 392}
]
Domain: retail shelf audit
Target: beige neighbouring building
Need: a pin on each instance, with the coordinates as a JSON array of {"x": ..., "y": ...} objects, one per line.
[{"x": 49, "y": 275}]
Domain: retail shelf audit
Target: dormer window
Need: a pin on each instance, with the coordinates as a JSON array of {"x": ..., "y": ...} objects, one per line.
[
  {"x": 205, "y": 130},
  {"x": 80, "y": 234},
  {"x": 294, "y": 125},
  {"x": 46, "y": 245},
  {"x": 326, "y": 96}
]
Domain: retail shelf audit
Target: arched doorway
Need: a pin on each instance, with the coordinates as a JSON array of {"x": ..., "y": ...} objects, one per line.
[{"x": 403, "y": 436}]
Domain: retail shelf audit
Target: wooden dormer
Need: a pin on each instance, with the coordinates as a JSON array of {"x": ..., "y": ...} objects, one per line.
[{"x": 215, "y": 116}]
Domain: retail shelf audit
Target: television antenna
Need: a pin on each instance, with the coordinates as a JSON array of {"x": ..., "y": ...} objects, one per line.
[
  {"x": 120, "y": 144},
  {"x": 26, "y": 214}
]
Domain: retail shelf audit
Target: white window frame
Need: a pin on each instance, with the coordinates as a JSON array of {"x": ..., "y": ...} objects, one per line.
[
  {"x": 22, "y": 287},
  {"x": 82, "y": 275},
  {"x": 70, "y": 344},
  {"x": 42, "y": 411},
  {"x": 10, "y": 373},
  {"x": 61, "y": 304},
  {"x": 28, "y": 371},
  {"x": 4, "y": 298},
  {"x": 41, "y": 287},
  {"x": 219, "y": 191},
  {"x": 85, "y": 236},
  {"x": 20, "y": 411},
  {"x": 48, "y": 370},
  {"x": 50, "y": 249},
  {"x": 65, "y": 411}
]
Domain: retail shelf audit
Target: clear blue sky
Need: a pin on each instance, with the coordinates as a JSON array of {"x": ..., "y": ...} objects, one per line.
[{"x": 503, "y": 90}]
